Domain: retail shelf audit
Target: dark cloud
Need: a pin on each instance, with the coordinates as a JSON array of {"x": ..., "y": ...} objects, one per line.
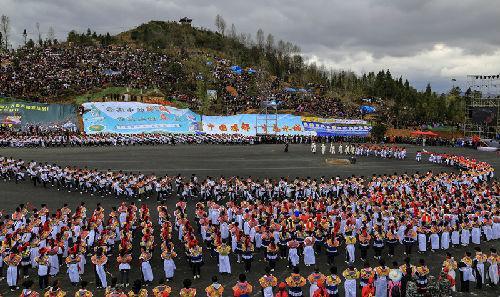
[{"x": 335, "y": 32}]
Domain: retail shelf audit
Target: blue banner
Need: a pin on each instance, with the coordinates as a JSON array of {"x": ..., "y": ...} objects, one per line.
[
  {"x": 136, "y": 117},
  {"x": 332, "y": 129}
]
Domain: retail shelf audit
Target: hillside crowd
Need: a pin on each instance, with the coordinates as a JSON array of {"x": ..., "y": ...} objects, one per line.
[{"x": 54, "y": 72}]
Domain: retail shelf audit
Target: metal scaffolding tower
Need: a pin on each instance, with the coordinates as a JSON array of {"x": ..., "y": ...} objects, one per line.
[
  {"x": 267, "y": 118},
  {"x": 482, "y": 108}
]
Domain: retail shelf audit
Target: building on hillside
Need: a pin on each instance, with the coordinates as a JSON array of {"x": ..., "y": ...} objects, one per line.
[{"x": 185, "y": 21}]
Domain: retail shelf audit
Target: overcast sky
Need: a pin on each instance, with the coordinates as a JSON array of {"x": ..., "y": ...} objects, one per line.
[{"x": 422, "y": 40}]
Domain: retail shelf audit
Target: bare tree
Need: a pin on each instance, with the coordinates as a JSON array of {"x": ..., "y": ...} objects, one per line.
[
  {"x": 281, "y": 47},
  {"x": 270, "y": 43},
  {"x": 233, "y": 34},
  {"x": 249, "y": 41},
  {"x": 218, "y": 22},
  {"x": 5, "y": 28},
  {"x": 51, "y": 34},
  {"x": 259, "y": 38},
  {"x": 39, "y": 34},
  {"x": 222, "y": 26},
  {"x": 242, "y": 38}
]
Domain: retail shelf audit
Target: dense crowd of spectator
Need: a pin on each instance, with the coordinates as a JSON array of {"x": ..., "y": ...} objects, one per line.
[
  {"x": 249, "y": 88},
  {"x": 56, "y": 71},
  {"x": 59, "y": 71}
]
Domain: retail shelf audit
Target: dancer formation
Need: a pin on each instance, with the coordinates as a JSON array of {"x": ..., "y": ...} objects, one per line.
[{"x": 240, "y": 220}]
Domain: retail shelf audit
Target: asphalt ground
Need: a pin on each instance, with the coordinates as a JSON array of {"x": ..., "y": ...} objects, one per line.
[{"x": 215, "y": 160}]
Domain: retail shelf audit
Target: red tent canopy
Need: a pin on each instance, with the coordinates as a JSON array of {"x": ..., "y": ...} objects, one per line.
[{"x": 424, "y": 133}]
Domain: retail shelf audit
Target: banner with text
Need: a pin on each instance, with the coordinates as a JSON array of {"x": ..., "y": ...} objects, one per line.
[
  {"x": 335, "y": 121},
  {"x": 253, "y": 124},
  {"x": 332, "y": 129},
  {"x": 23, "y": 114},
  {"x": 136, "y": 117}
]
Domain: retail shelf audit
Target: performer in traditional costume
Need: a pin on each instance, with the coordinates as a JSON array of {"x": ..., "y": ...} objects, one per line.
[
  {"x": 242, "y": 287},
  {"x": 161, "y": 290},
  {"x": 351, "y": 274},
  {"x": 450, "y": 265},
  {"x": 124, "y": 259},
  {"x": 224, "y": 264},
  {"x": 295, "y": 282},
  {"x": 267, "y": 283},
  {"x": 147, "y": 271},
  {"x": 187, "y": 291},
  {"x": 12, "y": 260},
  {"x": 466, "y": 272},
  {"x": 72, "y": 262},
  {"x": 493, "y": 261},
  {"x": 314, "y": 278},
  {"x": 99, "y": 260},
  {"x": 215, "y": 289},
  {"x": 168, "y": 254}
]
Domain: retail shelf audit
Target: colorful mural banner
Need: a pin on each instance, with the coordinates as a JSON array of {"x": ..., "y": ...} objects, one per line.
[
  {"x": 23, "y": 114},
  {"x": 253, "y": 124},
  {"x": 136, "y": 117}
]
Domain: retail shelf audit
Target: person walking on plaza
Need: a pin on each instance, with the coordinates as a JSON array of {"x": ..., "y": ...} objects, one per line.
[
  {"x": 332, "y": 148},
  {"x": 450, "y": 266},
  {"x": 466, "y": 272},
  {"x": 381, "y": 282},
  {"x": 313, "y": 147}
]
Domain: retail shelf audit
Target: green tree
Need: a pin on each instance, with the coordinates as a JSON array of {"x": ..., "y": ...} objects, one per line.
[{"x": 378, "y": 131}]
